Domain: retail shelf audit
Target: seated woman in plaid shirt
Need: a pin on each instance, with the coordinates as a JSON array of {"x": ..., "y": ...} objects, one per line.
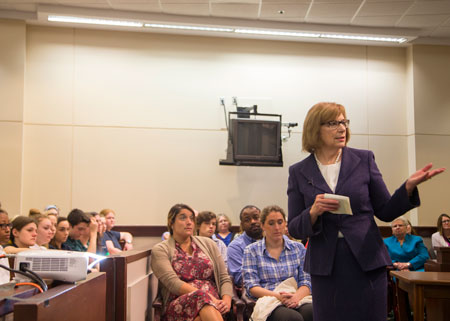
[{"x": 272, "y": 260}]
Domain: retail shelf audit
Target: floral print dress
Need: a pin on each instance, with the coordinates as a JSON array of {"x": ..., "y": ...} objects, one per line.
[{"x": 198, "y": 271}]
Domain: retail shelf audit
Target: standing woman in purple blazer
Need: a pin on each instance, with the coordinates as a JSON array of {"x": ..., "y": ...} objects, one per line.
[{"x": 346, "y": 256}]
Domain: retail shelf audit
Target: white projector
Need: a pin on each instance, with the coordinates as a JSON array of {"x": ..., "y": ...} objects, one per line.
[{"x": 57, "y": 265}]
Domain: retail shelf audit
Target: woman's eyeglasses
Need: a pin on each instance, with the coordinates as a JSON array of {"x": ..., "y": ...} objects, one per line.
[
  {"x": 334, "y": 124},
  {"x": 445, "y": 221}
]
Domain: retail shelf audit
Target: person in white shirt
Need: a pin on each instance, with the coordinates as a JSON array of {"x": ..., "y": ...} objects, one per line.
[{"x": 442, "y": 237}]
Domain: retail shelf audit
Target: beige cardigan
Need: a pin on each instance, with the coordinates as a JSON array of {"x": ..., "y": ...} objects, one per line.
[{"x": 161, "y": 264}]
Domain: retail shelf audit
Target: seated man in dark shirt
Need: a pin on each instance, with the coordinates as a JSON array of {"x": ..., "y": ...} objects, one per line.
[
  {"x": 79, "y": 223},
  {"x": 111, "y": 239}
]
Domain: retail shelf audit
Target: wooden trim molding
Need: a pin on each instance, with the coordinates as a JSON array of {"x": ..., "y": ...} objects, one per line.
[{"x": 158, "y": 230}]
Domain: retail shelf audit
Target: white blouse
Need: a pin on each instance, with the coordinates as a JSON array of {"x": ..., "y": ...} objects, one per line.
[{"x": 330, "y": 173}]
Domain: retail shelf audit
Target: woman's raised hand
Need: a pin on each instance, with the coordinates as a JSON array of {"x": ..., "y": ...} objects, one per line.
[{"x": 421, "y": 176}]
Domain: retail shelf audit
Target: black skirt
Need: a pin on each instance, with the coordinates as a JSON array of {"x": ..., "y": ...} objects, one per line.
[{"x": 349, "y": 293}]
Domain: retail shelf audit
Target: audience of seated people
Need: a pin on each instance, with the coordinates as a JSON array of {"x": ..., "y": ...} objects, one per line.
[
  {"x": 272, "y": 260},
  {"x": 193, "y": 278},
  {"x": 61, "y": 235},
  {"x": 223, "y": 230},
  {"x": 251, "y": 228},
  {"x": 81, "y": 223},
  {"x": 23, "y": 235},
  {"x": 206, "y": 226},
  {"x": 442, "y": 237},
  {"x": 407, "y": 251},
  {"x": 111, "y": 239},
  {"x": 45, "y": 231}
]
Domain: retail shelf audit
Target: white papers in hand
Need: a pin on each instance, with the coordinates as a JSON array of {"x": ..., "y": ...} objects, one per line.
[{"x": 344, "y": 204}]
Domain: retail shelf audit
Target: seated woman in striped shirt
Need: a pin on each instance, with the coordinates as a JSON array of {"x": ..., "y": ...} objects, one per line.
[{"x": 271, "y": 261}]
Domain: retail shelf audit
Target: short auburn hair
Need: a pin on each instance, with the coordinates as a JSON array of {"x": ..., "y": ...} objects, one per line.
[{"x": 318, "y": 115}]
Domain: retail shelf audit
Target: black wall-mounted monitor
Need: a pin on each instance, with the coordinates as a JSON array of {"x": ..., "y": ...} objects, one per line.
[{"x": 256, "y": 140}]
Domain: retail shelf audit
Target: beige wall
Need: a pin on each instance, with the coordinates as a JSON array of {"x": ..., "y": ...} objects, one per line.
[
  {"x": 132, "y": 121},
  {"x": 12, "y": 73},
  {"x": 432, "y": 118}
]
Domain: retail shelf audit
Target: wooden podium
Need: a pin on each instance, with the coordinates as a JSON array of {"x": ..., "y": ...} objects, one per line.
[
  {"x": 430, "y": 289},
  {"x": 442, "y": 263},
  {"x": 84, "y": 300}
]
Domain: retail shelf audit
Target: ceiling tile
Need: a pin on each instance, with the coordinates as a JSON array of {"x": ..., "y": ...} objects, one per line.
[
  {"x": 132, "y": 1},
  {"x": 184, "y": 1},
  {"x": 249, "y": 11},
  {"x": 96, "y": 5},
  {"x": 282, "y": 19},
  {"x": 81, "y": 2},
  {"x": 331, "y": 10},
  {"x": 199, "y": 9},
  {"x": 441, "y": 32},
  {"x": 28, "y": 7},
  {"x": 236, "y": 1},
  {"x": 331, "y": 20},
  {"x": 377, "y": 9},
  {"x": 289, "y": 10},
  {"x": 146, "y": 7},
  {"x": 387, "y": 1},
  {"x": 379, "y": 21},
  {"x": 422, "y": 21},
  {"x": 430, "y": 7},
  {"x": 425, "y": 32},
  {"x": 338, "y": 1},
  {"x": 286, "y": 1}
]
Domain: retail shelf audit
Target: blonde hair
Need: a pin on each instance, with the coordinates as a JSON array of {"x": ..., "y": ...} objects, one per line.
[
  {"x": 319, "y": 114},
  {"x": 227, "y": 218},
  {"x": 106, "y": 211}
]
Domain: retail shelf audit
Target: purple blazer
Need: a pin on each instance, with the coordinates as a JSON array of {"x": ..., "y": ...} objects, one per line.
[{"x": 360, "y": 180}]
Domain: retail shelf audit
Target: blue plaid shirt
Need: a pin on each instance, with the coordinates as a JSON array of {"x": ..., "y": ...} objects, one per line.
[{"x": 260, "y": 269}]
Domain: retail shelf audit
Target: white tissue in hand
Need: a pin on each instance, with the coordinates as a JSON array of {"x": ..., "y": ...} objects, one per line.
[{"x": 344, "y": 204}]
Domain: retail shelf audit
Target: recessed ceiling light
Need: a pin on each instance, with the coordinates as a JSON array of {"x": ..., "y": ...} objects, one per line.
[
  {"x": 266, "y": 32},
  {"x": 95, "y": 21},
  {"x": 365, "y": 38},
  {"x": 278, "y": 33},
  {"x": 196, "y": 28}
]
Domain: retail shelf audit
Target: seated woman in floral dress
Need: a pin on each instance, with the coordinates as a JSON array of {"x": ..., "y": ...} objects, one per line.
[{"x": 194, "y": 282}]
